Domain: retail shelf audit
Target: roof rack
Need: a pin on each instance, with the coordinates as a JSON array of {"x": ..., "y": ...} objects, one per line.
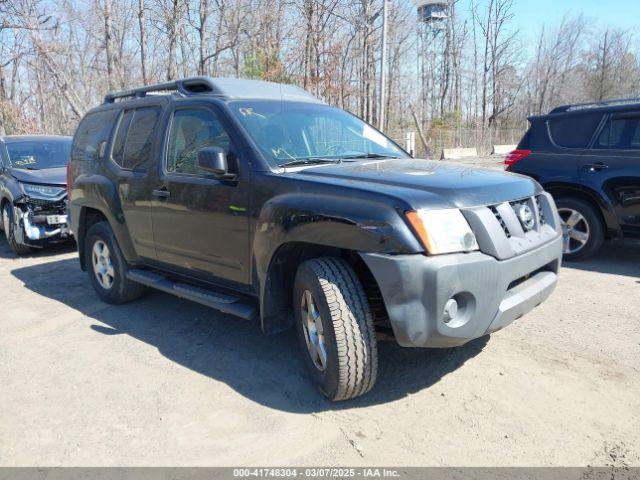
[
  {"x": 604, "y": 103},
  {"x": 227, "y": 87},
  {"x": 185, "y": 86}
]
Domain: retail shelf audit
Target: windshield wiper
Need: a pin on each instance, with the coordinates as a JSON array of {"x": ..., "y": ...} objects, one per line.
[
  {"x": 309, "y": 161},
  {"x": 368, "y": 155}
]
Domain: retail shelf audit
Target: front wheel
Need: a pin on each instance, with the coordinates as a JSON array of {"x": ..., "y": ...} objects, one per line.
[
  {"x": 10, "y": 225},
  {"x": 582, "y": 228},
  {"x": 335, "y": 328}
]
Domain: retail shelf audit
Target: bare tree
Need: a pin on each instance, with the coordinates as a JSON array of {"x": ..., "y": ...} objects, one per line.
[{"x": 464, "y": 83}]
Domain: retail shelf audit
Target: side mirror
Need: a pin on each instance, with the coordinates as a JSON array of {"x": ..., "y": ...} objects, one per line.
[{"x": 213, "y": 160}]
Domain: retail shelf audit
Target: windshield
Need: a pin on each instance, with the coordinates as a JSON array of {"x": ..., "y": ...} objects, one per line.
[
  {"x": 287, "y": 132},
  {"x": 38, "y": 154}
]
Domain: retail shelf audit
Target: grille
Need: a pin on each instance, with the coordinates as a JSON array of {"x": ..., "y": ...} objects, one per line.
[
  {"x": 501, "y": 220},
  {"x": 540, "y": 213},
  {"x": 39, "y": 204}
]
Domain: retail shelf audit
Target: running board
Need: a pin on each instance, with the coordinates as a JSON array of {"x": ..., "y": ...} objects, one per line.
[{"x": 219, "y": 301}]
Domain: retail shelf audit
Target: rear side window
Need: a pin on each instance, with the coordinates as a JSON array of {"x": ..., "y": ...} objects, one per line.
[
  {"x": 121, "y": 137},
  {"x": 134, "y": 140},
  {"x": 620, "y": 133},
  {"x": 574, "y": 131},
  {"x": 93, "y": 130}
]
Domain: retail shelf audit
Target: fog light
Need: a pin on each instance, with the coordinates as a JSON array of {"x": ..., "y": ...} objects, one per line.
[
  {"x": 450, "y": 310},
  {"x": 459, "y": 309}
]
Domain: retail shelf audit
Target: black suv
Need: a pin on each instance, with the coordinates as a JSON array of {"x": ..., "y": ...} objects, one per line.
[
  {"x": 33, "y": 190},
  {"x": 260, "y": 201},
  {"x": 588, "y": 157}
]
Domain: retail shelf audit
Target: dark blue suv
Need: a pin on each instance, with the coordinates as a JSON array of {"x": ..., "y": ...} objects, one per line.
[{"x": 588, "y": 157}]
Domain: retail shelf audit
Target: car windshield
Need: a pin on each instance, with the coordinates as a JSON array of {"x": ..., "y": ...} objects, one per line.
[
  {"x": 300, "y": 133},
  {"x": 38, "y": 154}
]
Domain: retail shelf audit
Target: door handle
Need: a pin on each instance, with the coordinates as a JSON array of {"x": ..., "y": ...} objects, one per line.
[
  {"x": 594, "y": 167},
  {"x": 161, "y": 193}
]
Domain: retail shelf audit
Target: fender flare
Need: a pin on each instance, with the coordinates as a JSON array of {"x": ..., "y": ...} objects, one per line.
[
  {"x": 303, "y": 226},
  {"x": 85, "y": 189}
]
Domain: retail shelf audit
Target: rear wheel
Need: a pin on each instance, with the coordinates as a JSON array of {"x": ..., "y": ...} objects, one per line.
[
  {"x": 581, "y": 227},
  {"x": 107, "y": 267},
  {"x": 335, "y": 328},
  {"x": 10, "y": 225}
]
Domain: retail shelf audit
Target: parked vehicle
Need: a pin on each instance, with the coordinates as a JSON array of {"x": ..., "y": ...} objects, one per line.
[
  {"x": 33, "y": 190},
  {"x": 260, "y": 201},
  {"x": 588, "y": 157}
]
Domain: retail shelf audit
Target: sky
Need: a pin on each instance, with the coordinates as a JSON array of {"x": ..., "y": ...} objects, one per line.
[{"x": 530, "y": 15}]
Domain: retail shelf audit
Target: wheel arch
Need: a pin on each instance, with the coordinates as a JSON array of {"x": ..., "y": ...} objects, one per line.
[
  {"x": 593, "y": 198},
  {"x": 3, "y": 201},
  {"x": 277, "y": 290},
  {"x": 87, "y": 217}
]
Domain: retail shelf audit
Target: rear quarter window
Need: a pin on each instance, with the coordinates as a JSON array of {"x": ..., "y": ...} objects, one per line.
[
  {"x": 92, "y": 131},
  {"x": 134, "y": 139},
  {"x": 574, "y": 131}
]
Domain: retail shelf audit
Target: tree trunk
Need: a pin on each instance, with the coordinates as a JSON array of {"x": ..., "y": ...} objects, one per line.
[
  {"x": 143, "y": 41},
  {"x": 108, "y": 46}
]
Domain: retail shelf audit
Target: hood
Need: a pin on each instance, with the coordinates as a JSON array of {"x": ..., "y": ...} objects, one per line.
[
  {"x": 46, "y": 176},
  {"x": 427, "y": 183}
]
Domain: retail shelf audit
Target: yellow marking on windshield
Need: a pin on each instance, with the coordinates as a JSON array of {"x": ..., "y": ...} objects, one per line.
[
  {"x": 25, "y": 161},
  {"x": 248, "y": 112}
]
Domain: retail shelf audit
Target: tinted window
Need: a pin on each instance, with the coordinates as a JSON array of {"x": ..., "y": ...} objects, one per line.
[
  {"x": 192, "y": 130},
  {"x": 137, "y": 150},
  {"x": 574, "y": 131},
  {"x": 93, "y": 130},
  {"x": 134, "y": 140},
  {"x": 621, "y": 133},
  {"x": 121, "y": 137},
  {"x": 37, "y": 154}
]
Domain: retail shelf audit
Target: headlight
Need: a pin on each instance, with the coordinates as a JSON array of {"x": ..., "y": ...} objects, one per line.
[
  {"x": 443, "y": 231},
  {"x": 42, "y": 191}
]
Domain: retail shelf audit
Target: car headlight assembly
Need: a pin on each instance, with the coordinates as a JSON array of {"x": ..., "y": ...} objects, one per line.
[
  {"x": 443, "y": 231},
  {"x": 42, "y": 191}
]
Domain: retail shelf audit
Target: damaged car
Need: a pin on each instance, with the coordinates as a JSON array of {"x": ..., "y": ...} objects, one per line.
[
  {"x": 33, "y": 190},
  {"x": 261, "y": 201}
]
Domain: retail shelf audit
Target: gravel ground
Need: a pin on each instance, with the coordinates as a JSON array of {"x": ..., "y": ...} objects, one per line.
[{"x": 163, "y": 381}]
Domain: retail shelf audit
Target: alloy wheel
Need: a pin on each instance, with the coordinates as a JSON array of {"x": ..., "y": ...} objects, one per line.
[
  {"x": 102, "y": 266},
  {"x": 313, "y": 331},
  {"x": 575, "y": 230}
]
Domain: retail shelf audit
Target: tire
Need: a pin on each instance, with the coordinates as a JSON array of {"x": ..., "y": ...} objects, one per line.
[
  {"x": 9, "y": 226},
  {"x": 111, "y": 285},
  {"x": 348, "y": 334},
  {"x": 589, "y": 222}
]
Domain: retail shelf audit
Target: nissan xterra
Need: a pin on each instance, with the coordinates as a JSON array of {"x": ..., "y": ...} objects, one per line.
[{"x": 262, "y": 202}]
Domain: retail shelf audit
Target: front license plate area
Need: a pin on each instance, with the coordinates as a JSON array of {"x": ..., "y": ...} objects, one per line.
[{"x": 56, "y": 219}]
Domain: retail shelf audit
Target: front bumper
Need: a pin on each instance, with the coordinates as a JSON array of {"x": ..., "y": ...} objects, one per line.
[
  {"x": 489, "y": 293},
  {"x": 41, "y": 222}
]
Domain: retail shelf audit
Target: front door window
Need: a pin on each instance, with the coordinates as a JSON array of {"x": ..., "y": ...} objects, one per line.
[{"x": 191, "y": 131}]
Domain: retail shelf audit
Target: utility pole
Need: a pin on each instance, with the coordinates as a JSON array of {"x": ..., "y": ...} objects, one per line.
[{"x": 383, "y": 68}]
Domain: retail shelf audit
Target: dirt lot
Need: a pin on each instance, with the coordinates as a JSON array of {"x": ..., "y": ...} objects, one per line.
[{"x": 164, "y": 381}]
